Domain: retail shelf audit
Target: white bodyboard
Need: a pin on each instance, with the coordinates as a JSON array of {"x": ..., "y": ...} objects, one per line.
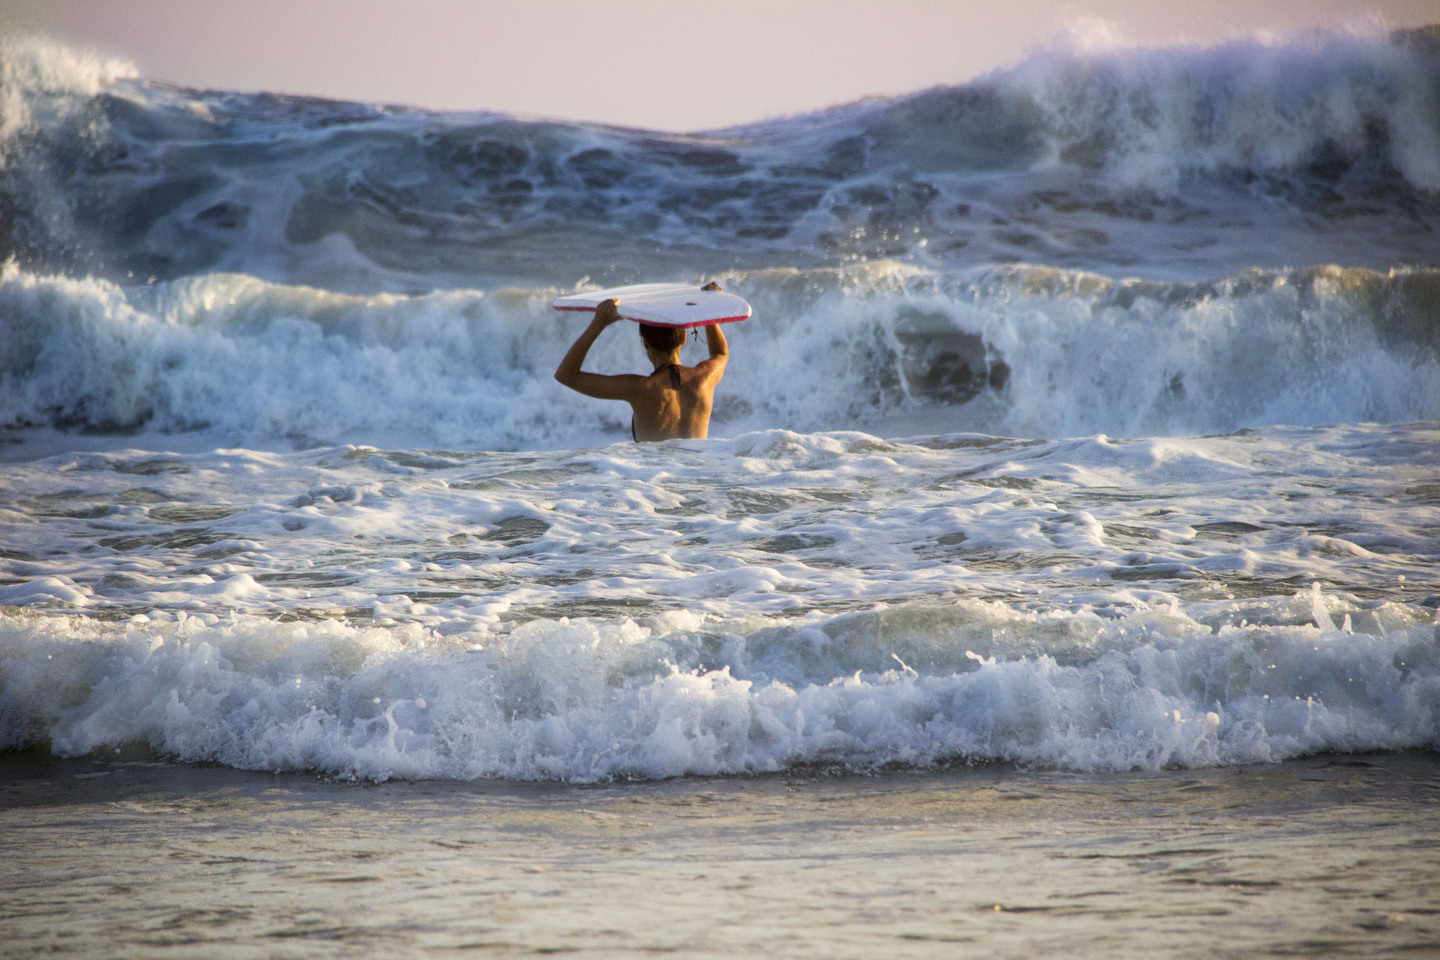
[{"x": 664, "y": 304}]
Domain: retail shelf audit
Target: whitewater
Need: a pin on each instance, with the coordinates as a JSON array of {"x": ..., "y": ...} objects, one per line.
[{"x": 1087, "y": 420}]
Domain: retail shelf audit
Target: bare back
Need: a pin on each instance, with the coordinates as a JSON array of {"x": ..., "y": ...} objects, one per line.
[
  {"x": 675, "y": 402},
  {"x": 672, "y": 403}
]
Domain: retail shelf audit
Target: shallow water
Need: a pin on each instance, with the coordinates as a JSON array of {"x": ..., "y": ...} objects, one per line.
[{"x": 1327, "y": 856}]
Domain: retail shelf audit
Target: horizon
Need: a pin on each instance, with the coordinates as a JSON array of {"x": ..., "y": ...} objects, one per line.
[{"x": 811, "y": 55}]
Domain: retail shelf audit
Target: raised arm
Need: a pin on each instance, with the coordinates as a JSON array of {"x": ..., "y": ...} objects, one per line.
[
  {"x": 714, "y": 368},
  {"x": 596, "y": 385},
  {"x": 715, "y": 340}
]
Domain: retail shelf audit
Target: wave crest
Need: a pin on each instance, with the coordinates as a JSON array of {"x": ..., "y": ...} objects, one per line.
[{"x": 1326, "y": 104}]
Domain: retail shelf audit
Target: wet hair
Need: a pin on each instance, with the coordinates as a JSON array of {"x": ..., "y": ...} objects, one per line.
[{"x": 662, "y": 339}]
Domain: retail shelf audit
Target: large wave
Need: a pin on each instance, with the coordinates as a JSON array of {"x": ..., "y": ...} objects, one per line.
[{"x": 1188, "y": 161}]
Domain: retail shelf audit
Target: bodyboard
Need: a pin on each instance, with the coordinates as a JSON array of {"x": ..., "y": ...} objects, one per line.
[{"x": 664, "y": 304}]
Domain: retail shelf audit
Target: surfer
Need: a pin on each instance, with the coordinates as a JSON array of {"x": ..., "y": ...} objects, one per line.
[{"x": 674, "y": 401}]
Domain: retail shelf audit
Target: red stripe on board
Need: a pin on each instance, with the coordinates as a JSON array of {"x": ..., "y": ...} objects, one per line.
[{"x": 678, "y": 326}]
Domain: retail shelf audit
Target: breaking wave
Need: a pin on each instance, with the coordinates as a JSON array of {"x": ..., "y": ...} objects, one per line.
[
  {"x": 973, "y": 682},
  {"x": 884, "y": 347}
]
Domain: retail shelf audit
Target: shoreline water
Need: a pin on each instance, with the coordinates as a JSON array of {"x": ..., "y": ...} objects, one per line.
[{"x": 1333, "y": 855}]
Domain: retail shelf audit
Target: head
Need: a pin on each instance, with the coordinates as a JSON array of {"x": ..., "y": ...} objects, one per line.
[{"x": 662, "y": 344}]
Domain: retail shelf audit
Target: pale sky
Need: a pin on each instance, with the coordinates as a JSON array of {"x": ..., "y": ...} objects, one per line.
[{"x": 665, "y": 64}]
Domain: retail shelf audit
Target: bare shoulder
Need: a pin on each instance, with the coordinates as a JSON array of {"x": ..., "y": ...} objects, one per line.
[{"x": 711, "y": 370}]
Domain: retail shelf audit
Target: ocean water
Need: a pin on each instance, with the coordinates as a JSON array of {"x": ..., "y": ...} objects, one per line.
[{"x": 1087, "y": 425}]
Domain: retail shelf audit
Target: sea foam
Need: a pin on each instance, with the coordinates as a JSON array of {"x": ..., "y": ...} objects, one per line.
[{"x": 682, "y": 695}]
